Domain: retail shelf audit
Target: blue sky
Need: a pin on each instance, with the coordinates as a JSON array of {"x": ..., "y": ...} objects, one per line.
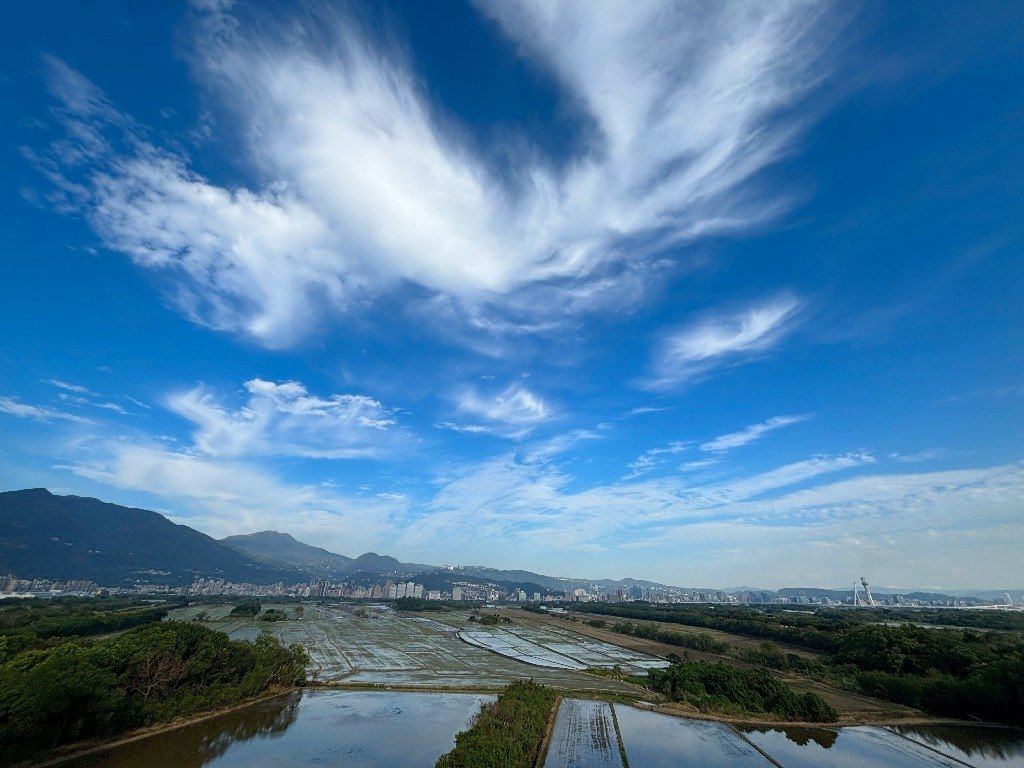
[{"x": 710, "y": 294}]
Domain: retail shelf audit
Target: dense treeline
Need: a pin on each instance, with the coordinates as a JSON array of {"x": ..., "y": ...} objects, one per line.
[
  {"x": 696, "y": 641},
  {"x": 507, "y": 733},
  {"x": 28, "y": 624},
  {"x": 949, "y": 671},
  {"x": 716, "y": 687},
  {"x": 82, "y": 689}
]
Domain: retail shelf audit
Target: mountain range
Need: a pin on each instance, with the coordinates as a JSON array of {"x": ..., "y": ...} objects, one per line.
[{"x": 46, "y": 536}]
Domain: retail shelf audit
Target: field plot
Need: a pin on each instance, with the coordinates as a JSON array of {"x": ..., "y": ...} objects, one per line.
[
  {"x": 383, "y": 648},
  {"x": 976, "y": 745},
  {"x": 584, "y": 736},
  {"x": 546, "y": 646},
  {"x": 651, "y": 738},
  {"x": 854, "y": 747},
  {"x": 355, "y": 729}
]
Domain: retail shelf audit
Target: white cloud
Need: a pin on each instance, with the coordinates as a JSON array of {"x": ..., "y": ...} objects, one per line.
[
  {"x": 645, "y": 409},
  {"x": 955, "y": 528},
  {"x": 928, "y": 454},
  {"x": 697, "y": 464},
  {"x": 693, "y": 351},
  {"x": 284, "y": 419},
  {"x": 652, "y": 457},
  {"x": 750, "y": 433},
  {"x": 13, "y": 407},
  {"x": 364, "y": 186},
  {"x": 469, "y": 429},
  {"x": 228, "y": 497},
  {"x": 559, "y": 444},
  {"x": 68, "y": 386},
  {"x": 514, "y": 412}
]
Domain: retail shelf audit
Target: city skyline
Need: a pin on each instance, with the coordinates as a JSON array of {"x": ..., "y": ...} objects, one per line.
[{"x": 722, "y": 294}]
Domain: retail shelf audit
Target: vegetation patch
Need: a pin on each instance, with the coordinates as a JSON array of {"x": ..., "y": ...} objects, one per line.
[
  {"x": 959, "y": 671},
  {"x": 246, "y": 608},
  {"x": 84, "y": 689},
  {"x": 507, "y": 733},
  {"x": 274, "y": 614},
  {"x": 717, "y": 687}
]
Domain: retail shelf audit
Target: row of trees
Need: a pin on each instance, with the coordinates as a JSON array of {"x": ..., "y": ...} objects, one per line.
[{"x": 695, "y": 641}]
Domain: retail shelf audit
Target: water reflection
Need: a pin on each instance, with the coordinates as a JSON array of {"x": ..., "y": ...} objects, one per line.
[
  {"x": 978, "y": 745},
  {"x": 200, "y": 744},
  {"x": 357, "y": 729},
  {"x": 798, "y": 734},
  {"x": 851, "y": 747}
]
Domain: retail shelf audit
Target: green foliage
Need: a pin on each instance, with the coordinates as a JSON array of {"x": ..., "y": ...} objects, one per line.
[
  {"x": 951, "y": 671},
  {"x": 28, "y": 624},
  {"x": 691, "y": 640},
  {"x": 98, "y": 688},
  {"x": 247, "y": 608},
  {"x": 273, "y": 614},
  {"x": 507, "y": 733},
  {"x": 720, "y": 688}
]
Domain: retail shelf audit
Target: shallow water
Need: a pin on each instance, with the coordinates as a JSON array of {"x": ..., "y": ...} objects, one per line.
[
  {"x": 360, "y": 729},
  {"x": 977, "y": 745},
  {"x": 653, "y": 739},
  {"x": 350, "y": 728},
  {"x": 857, "y": 747}
]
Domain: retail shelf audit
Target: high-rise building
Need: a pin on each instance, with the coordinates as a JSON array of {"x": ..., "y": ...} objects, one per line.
[{"x": 456, "y": 592}]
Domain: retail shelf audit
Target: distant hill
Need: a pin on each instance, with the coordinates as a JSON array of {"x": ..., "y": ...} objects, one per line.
[
  {"x": 73, "y": 537},
  {"x": 284, "y": 548}
]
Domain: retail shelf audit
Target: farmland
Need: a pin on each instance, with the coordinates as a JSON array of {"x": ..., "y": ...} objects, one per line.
[{"x": 385, "y": 649}]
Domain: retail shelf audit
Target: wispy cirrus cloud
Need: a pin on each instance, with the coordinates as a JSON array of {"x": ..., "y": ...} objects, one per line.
[
  {"x": 285, "y": 419},
  {"x": 655, "y": 456},
  {"x": 695, "y": 350},
  {"x": 928, "y": 454},
  {"x": 363, "y": 186},
  {"x": 13, "y": 407},
  {"x": 69, "y": 387},
  {"x": 750, "y": 433},
  {"x": 513, "y": 412}
]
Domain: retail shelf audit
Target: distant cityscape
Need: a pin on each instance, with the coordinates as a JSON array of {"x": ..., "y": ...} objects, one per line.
[{"x": 392, "y": 589}]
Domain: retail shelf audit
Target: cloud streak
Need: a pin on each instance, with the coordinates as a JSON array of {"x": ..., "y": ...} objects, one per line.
[
  {"x": 694, "y": 351},
  {"x": 283, "y": 419},
  {"x": 749, "y": 434},
  {"x": 14, "y": 407}
]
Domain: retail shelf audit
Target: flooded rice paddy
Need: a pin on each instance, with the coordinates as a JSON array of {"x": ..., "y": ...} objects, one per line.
[
  {"x": 588, "y": 734},
  {"x": 355, "y": 729},
  {"x": 651, "y": 738},
  {"x": 546, "y": 646},
  {"x": 389, "y": 649},
  {"x": 359, "y": 729},
  {"x": 877, "y": 747}
]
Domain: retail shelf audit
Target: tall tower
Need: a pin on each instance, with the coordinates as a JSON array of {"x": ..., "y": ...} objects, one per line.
[
  {"x": 856, "y": 602},
  {"x": 867, "y": 591}
]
